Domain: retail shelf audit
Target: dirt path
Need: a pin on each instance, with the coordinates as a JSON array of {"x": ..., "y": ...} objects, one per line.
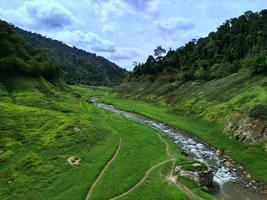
[
  {"x": 173, "y": 178},
  {"x": 142, "y": 180},
  {"x": 150, "y": 169},
  {"x": 166, "y": 144},
  {"x": 170, "y": 157},
  {"x": 103, "y": 170}
]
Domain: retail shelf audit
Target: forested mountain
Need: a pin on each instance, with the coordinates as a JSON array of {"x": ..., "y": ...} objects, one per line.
[
  {"x": 19, "y": 58},
  {"x": 221, "y": 77},
  {"x": 237, "y": 44},
  {"x": 81, "y": 67}
]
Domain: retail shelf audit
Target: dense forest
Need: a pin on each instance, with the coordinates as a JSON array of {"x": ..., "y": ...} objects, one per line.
[
  {"x": 80, "y": 67},
  {"x": 239, "y": 44},
  {"x": 16, "y": 57}
]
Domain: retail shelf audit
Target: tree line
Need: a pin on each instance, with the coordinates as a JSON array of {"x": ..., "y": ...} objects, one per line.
[{"x": 238, "y": 44}]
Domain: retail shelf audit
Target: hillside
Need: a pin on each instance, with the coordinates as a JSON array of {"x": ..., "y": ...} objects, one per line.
[
  {"x": 221, "y": 77},
  {"x": 81, "y": 67},
  {"x": 22, "y": 66}
]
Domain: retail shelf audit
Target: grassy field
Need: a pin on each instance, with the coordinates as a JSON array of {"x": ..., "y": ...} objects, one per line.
[
  {"x": 42, "y": 126},
  {"x": 252, "y": 157}
]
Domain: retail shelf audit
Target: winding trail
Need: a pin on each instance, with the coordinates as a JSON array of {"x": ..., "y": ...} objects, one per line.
[
  {"x": 142, "y": 180},
  {"x": 170, "y": 158},
  {"x": 103, "y": 170},
  {"x": 180, "y": 186}
]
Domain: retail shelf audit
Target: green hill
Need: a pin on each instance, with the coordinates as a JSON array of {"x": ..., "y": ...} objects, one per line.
[
  {"x": 18, "y": 58},
  {"x": 23, "y": 67},
  {"x": 81, "y": 67},
  {"x": 221, "y": 77}
]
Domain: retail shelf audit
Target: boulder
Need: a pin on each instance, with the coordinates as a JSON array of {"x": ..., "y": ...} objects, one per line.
[
  {"x": 218, "y": 153},
  {"x": 76, "y": 129},
  {"x": 202, "y": 177},
  {"x": 72, "y": 160}
]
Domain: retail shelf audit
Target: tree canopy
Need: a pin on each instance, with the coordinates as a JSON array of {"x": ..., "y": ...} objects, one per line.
[{"x": 238, "y": 43}]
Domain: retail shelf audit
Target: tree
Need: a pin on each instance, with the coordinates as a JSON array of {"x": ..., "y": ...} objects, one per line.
[
  {"x": 135, "y": 63},
  {"x": 258, "y": 64},
  {"x": 158, "y": 52}
]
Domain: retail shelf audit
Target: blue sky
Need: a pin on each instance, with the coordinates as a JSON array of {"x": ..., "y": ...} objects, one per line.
[{"x": 124, "y": 31}]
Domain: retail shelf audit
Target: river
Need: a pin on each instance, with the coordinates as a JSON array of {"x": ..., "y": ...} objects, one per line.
[{"x": 229, "y": 185}]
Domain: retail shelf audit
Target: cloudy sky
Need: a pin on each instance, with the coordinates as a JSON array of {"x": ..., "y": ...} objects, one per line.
[{"x": 124, "y": 31}]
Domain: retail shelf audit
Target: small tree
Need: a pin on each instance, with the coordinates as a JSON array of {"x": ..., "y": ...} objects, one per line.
[
  {"x": 158, "y": 52},
  {"x": 135, "y": 64}
]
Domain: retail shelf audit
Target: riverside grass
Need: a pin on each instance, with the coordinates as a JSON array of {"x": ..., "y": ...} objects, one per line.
[
  {"x": 252, "y": 157},
  {"x": 37, "y": 136}
]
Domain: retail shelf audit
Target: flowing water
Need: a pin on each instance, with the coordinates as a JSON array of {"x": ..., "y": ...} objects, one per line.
[{"x": 229, "y": 186}]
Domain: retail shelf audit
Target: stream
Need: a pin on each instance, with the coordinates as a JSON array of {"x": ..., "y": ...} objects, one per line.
[{"x": 227, "y": 183}]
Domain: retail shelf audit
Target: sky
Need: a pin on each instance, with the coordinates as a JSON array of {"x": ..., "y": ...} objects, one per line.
[{"x": 124, "y": 31}]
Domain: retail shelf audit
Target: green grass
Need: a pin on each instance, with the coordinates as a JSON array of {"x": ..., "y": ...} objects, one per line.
[
  {"x": 37, "y": 136},
  {"x": 212, "y": 100},
  {"x": 153, "y": 185},
  {"x": 138, "y": 143},
  {"x": 252, "y": 157}
]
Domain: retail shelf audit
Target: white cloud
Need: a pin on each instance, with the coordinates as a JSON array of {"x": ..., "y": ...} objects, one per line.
[
  {"x": 123, "y": 54},
  {"x": 109, "y": 10},
  {"x": 110, "y": 29},
  {"x": 173, "y": 24},
  {"x": 89, "y": 41},
  {"x": 37, "y": 14}
]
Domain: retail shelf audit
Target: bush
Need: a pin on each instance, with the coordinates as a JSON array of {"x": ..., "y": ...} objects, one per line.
[
  {"x": 257, "y": 64},
  {"x": 9, "y": 65},
  {"x": 222, "y": 70},
  {"x": 258, "y": 111},
  {"x": 200, "y": 74}
]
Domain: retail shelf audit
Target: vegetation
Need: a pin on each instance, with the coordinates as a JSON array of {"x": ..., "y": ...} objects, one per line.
[
  {"x": 212, "y": 77},
  {"x": 194, "y": 166},
  {"x": 16, "y": 57},
  {"x": 237, "y": 44},
  {"x": 44, "y": 123},
  {"x": 39, "y": 132},
  {"x": 81, "y": 67}
]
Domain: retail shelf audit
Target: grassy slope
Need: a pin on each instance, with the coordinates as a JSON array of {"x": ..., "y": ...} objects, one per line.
[
  {"x": 212, "y": 100},
  {"x": 252, "y": 157},
  {"x": 37, "y": 135}
]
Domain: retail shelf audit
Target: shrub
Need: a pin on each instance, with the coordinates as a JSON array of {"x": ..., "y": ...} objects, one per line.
[
  {"x": 200, "y": 74},
  {"x": 222, "y": 70},
  {"x": 258, "y": 111},
  {"x": 257, "y": 64}
]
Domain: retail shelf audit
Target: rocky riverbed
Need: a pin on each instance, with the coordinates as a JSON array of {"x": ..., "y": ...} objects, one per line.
[{"x": 231, "y": 181}]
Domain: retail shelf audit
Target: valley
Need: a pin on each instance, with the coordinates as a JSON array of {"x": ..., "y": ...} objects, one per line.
[{"x": 188, "y": 123}]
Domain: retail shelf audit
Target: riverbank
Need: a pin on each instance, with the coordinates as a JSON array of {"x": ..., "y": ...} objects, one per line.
[{"x": 251, "y": 157}]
